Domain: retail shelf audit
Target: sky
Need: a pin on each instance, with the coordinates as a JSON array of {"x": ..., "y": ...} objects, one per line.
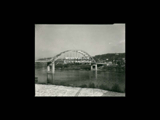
[{"x": 98, "y": 39}]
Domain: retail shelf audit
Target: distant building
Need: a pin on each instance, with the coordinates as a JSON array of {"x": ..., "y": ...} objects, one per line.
[{"x": 109, "y": 63}]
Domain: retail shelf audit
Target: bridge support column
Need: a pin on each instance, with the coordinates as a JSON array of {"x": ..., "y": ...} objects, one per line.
[
  {"x": 96, "y": 67},
  {"x": 53, "y": 67},
  {"x": 48, "y": 68},
  {"x": 96, "y": 74}
]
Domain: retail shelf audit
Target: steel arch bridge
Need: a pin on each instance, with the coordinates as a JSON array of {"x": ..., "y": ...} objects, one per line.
[
  {"x": 85, "y": 54},
  {"x": 51, "y": 62}
]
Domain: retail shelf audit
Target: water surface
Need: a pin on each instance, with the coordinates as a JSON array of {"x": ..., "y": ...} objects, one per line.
[{"x": 84, "y": 78}]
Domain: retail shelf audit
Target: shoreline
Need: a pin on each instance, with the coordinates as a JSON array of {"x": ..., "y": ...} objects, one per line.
[{"x": 59, "y": 90}]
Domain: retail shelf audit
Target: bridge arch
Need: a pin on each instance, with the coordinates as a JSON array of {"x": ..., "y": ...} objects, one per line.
[{"x": 53, "y": 59}]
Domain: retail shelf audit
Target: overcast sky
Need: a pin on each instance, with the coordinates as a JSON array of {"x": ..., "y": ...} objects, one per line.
[{"x": 94, "y": 39}]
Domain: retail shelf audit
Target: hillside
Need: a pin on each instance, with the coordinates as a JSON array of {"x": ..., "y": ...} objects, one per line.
[{"x": 109, "y": 56}]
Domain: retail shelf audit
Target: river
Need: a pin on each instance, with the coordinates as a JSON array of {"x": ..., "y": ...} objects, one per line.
[{"x": 83, "y": 78}]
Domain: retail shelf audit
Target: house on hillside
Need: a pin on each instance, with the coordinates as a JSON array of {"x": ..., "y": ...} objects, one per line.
[
  {"x": 109, "y": 63},
  {"x": 120, "y": 61}
]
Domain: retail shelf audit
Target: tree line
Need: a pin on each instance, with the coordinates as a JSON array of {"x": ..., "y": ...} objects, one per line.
[{"x": 109, "y": 56}]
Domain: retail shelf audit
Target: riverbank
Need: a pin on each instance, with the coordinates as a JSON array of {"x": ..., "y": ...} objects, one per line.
[{"x": 58, "y": 90}]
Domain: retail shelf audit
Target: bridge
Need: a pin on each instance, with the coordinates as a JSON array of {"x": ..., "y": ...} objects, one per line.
[{"x": 51, "y": 62}]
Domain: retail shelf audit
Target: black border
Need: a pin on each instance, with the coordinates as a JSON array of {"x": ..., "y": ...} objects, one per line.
[{"x": 29, "y": 68}]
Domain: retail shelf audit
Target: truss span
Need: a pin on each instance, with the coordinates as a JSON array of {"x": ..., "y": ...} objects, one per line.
[{"x": 53, "y": 59}]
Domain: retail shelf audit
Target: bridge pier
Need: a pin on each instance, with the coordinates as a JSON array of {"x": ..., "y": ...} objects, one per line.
[
  {"x": 48, "y": 68},
  {"x": 53, "y": 67},
  {"x": 96, "y": 74}
]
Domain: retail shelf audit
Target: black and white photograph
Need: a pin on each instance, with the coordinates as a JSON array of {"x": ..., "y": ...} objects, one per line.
[{"x": 80, "y": 60}]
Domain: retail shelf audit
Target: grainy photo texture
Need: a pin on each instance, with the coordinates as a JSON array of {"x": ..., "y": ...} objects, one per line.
[{"x": 79, "y": 60}]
